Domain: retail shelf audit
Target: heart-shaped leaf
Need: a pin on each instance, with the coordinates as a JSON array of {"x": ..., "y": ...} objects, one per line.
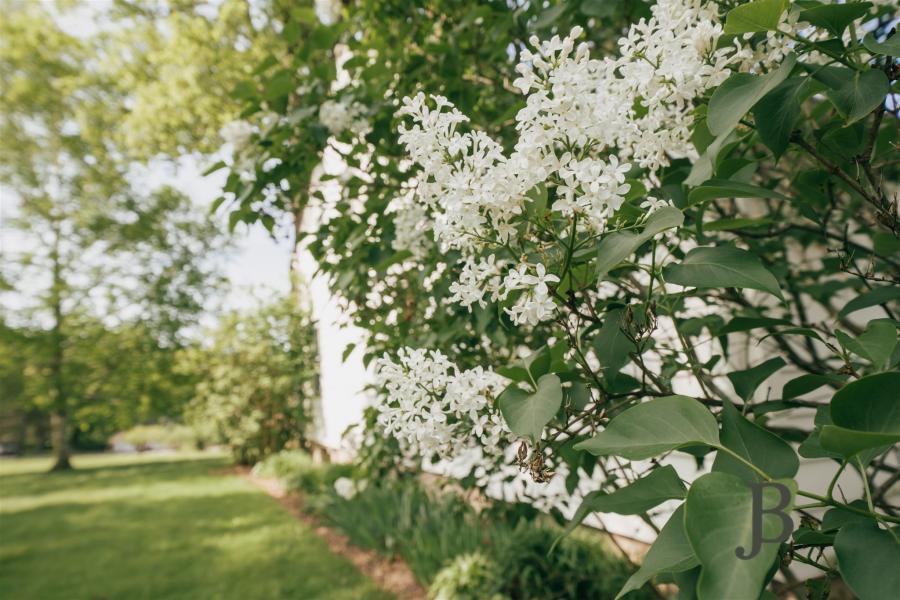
[
  {"x": 761, "y": 15},
  {"x": 745, "y": 382},
  {"x": 527, "y": 414},
  {"x": 660, "y": 485},
  {"x": 770, "y": 453},
  {"x": 619, "y": 245},
  {"x": 725, "y": 188},
  {"x": 867, "y": 558},
  {"x": 654, "y": 427},
  {"x": 777, "y": 112},
  {"x": 835, "y": 17},
  {"x": 859, "y": 93},
  {"x": 718, "y": 519},
  {"x": 722, "y": 266},
  {"x": 739, "y": 93},
  {"x": 864, "y": 414},
  {"x": 889, "y": 47}
]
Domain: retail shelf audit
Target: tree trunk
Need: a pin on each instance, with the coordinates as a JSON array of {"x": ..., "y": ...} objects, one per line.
[
  {"x": 60, "y": 435},
  {"x": 59, "y": 424}
]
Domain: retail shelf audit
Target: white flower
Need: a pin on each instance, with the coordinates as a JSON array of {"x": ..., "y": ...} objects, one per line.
[
  {"x": 585, "y": 125},
  {"x": 328, "y": 11},
  {"x": 435, "y": 409},
  {"x": 345, "y": 488},
  {"x": 344, "y": 115},
  {"x": 237, "y": 134}
]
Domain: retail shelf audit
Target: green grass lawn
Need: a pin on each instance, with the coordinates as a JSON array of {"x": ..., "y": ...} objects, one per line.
[{"x": 132, "y": 527}]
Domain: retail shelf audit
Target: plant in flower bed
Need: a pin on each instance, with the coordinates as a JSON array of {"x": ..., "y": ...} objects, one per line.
[
  {"x": 453, "y": 549},
  {"x": 296, "y": 470},
  {"x": 667, "y": 205}
]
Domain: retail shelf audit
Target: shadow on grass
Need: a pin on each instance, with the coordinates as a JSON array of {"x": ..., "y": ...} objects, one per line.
[
  {"x": 26, "y": 484},
  {"x": 160, "y": 530}
]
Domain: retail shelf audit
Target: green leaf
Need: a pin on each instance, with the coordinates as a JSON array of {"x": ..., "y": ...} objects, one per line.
[
  {"x": 599, "y": 8},
  {"x": 724, "y": 188},
  {"x": 687, "y": 583},
  {"x": 530, "y": 368},
  {"x": 279, "y": 85},
  {"x": 835, "y": 17},
  {"x": 859, "y": 93},
  {"x": 660, "y": 485},
  {"x": 619, "y": 245},
  {"x": 867, "y": 559},
  {"x": 538, "y": 205},
  {"x": 671, "y": 552},
  {"x": 745, "y": 382},
  {"x": 808, "y": 383},
  {"x": 811, "y": 447},
  {"x": 748, "y": 323},
  {"x": 527, "y": 414},
  {"x": 654, "y": 427},
  {"x": 611, "y": 345},
  {"x": 722, "y": 266},
  {"x": 740, "y": 92},
  {"x": 647, "y": 492},
  {"x": 864, "y": 414},
  {"x": 880, "y": 295},
  {"x": 889, "y": 47},
  {"x": 777, "y": 112},
  {"x": 718, "y": 519},
  {"x": 705, "y": 165},
  {"x": 878, "y": 342},
  {"x": 738, "y": 223},
  {"x": 770, "y": 453},
  {"x": 762, "y": 15},
  {"x": 549, "y": 16},
  {"x": 578, "y": 395},
  {"x": 804, "y": 331}
]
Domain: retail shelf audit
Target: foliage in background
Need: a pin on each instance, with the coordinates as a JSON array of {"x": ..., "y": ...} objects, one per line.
[
  {"x": 164, "y": 436},
  {"x": 472, "y": 576},
  {"x": 257, "y": 380},
  {"x": 439, "y": 534},
  {"x": 177, "y": 61},
  {"x": 689, "y": 198},
  {"x": 99, "y": 268},
  {"x": 296, "y": 470}
]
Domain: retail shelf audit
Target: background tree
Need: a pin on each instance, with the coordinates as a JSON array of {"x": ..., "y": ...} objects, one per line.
[
  {"x": 257, "y": 380},
  {"x": 178, "y": 61},
  {"x": 91, "y": 253}
]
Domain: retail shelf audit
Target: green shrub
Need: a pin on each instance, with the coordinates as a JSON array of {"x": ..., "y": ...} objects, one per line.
[
  {"x": 169, "y": 435},
  {"x": 578, "y": 567},
  {"x": 468, "y": 577},
  {"x": 296, "y": 470},
  {"x": 400, "y": 518},
  {"x": 434, "y": 533}
]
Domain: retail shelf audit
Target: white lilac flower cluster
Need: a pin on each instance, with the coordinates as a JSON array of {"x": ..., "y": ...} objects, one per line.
[
  {"x": 411, "y": 227},
  {"x": 344, "y": 115},
  {"x": 533, "y": 304},
  {"x": 585, "y": 123},
  {"x": 328, "y": 11},
  {"x": 434, "y": 409},
  {"x": 237, "y": 134}
]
